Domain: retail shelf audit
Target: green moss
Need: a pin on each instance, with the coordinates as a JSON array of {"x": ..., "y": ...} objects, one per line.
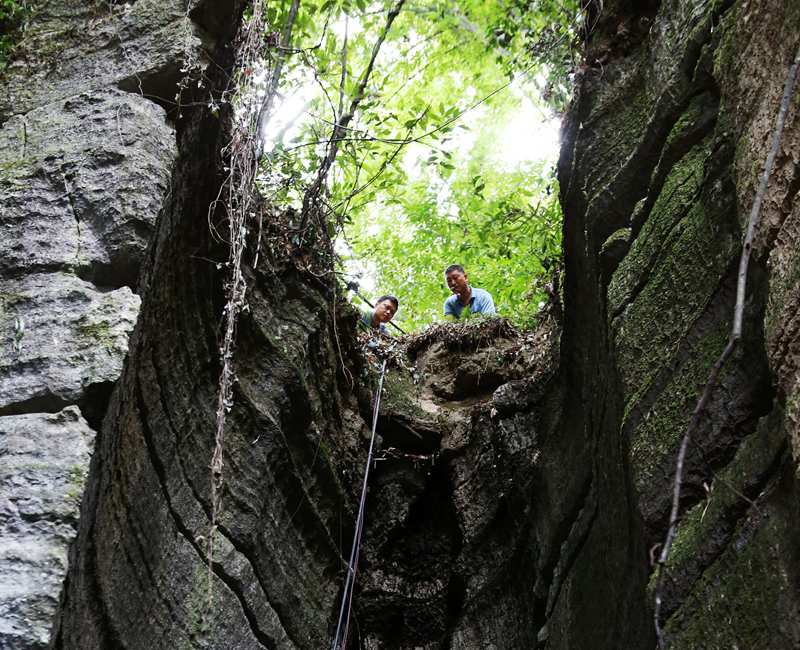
[
  {"x": 661, "y": 429},
  {"x": 740, "y": 586},
  {"x": 744, "y": 599},
  {"x": 9, "y": 170},
  {"x": 727, "y": 53},
  {"x": 688, "y": 119},
  {"x": 670, "y": 274},
  {"x": 76, "y": 478},
  {"x": 620, "y": 236},
  {"x": 662, "y": 229},
  {"x": 99, "y": 333},
  {"x": 610, "y": 140},
  {"x": 400, "y": 393},
  {"x": 9, "y": 300},
  {"x": 13, "y": 14},
  {"x": 755, "y": 455},
  {"x": 197, "y": 606}
]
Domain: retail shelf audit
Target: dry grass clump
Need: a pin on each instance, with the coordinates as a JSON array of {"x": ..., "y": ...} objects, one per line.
[
  {"x": 531, "y": 352},
  {"x": 461, "y": 335}
]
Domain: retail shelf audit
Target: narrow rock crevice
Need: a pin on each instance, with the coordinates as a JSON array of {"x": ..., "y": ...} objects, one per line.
[{"x": 232, "y": 583}]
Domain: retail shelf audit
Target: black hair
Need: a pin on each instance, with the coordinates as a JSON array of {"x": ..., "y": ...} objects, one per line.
[
  {"x": 391, "y": 298},
  {"x": 455, "y": 267}
]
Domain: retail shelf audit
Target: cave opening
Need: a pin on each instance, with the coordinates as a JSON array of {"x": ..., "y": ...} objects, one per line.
[{"x": 425, "y": 136}]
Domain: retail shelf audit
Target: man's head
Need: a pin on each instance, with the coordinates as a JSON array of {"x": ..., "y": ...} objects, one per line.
[
  {"x": 386, "y": 308},
  {"x": 456, "y": 279}
]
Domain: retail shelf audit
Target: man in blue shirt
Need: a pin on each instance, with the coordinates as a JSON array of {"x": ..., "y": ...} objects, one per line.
[
  {"x": 476, "y": 301},
  {"x": 384, "y": 311}
]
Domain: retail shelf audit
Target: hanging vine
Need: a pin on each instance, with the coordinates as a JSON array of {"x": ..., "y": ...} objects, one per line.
[{"x": 238, "y": 200}]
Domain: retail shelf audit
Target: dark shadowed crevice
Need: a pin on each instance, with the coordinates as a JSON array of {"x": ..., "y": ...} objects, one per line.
[
  {"x": 570, "y": 547},
  {"x": 98, "y": 625},
  {"x": 47, "y": 403},
  {"x": 407, "y": 436},
  {"x": 413, "y": 592},
  {"x": 94, "y": 402}
]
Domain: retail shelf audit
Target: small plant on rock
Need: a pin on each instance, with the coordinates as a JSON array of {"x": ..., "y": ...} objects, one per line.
[{"x": 13, "y": 14}]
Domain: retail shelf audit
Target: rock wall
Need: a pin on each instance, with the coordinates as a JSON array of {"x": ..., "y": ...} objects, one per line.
[
  {"x": 524, "y": 480},
  {"x": 86, "y": 154},
  {"x": 670, "y": 128}
]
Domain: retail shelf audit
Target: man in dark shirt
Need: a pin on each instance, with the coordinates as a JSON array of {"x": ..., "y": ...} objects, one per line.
[{"x": 384, "y": 311}]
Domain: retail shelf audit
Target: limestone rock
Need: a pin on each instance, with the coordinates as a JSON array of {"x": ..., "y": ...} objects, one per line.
[
  {"x": 81, "y": 183},
  {"x": 43, "y": 463},
  {"x": 140, "y": 46},
  {"x": 59, "y": 335},
  {"x": 86, "y": 154}
]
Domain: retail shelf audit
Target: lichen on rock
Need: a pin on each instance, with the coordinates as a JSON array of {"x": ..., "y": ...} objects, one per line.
[{"x": 44, "y": 460}]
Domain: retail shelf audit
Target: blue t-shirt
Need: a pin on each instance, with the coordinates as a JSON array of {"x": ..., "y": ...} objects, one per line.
[{"x": 480, "y": 302}]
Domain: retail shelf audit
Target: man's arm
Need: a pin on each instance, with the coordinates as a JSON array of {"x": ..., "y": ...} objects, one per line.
[
  {"x": 365, "y": 320},
  {"x": 490, "y": 308},
  {"x": 449, "y": 312}
]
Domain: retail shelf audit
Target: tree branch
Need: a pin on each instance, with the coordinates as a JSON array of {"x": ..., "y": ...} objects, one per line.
[
  {"x": 265, "y": 112},
  {"x": 312, "y": 194}
]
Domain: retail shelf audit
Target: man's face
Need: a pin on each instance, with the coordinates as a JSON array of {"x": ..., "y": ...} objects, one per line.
[
  {"x": 384, "y": 311},
  {"x": 457, "y": 281}
]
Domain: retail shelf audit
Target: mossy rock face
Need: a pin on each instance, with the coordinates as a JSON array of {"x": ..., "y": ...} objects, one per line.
[
  {"x": 682, "y": 187},
  {"x": 735, "y": 557},
  {"x": 736, "y": 499},
  {"x": 525, "y": 530}
]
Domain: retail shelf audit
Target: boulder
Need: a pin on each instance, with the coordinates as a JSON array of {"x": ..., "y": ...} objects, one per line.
[
  {"x": 72, "y": 175},
  {"x": 59, "y": 336},
  {"x": 144, "y": 47}
]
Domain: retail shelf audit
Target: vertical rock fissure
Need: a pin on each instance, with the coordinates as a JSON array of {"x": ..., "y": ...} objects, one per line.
[
  {"x": 535, "y": 520},
  {"x": 218, "y": 569}
]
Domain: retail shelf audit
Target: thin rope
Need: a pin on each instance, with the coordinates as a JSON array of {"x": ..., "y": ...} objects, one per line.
[{"x": 340, "y": 640}]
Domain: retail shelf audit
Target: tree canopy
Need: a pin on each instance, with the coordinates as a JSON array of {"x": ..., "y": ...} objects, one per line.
[{"x": 415, "y": 99}]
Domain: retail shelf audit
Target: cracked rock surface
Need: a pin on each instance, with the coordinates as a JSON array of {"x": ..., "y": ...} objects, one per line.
[
  {"x": 137, "y": 46},
  {"x": 81, "y": 186},
  {"x": 44, "y": 459},
  {"x": 59, "y": 337},
  {"x": 86, "y": 154},
  {"x": 517, "y": 508}
]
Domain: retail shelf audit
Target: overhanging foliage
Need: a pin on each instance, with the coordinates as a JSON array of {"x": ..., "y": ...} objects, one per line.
[{"x": 419, "y": 178}]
